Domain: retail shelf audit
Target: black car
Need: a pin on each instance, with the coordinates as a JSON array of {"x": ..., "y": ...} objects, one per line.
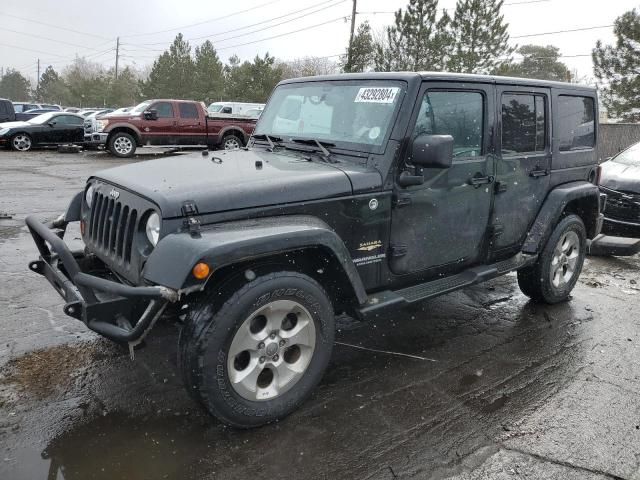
[
  {"x": 620, "y": 180},
  {"x": 358, "y": 193},
  {"x": 52, "y": 128}
]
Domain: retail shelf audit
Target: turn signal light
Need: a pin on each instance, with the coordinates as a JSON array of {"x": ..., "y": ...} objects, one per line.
[
  {"x": 82, "y": 226},
  {"x": 201, "y": 271}
]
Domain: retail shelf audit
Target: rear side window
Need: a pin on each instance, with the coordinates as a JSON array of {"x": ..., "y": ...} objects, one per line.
[
  {"x": 3, "y": 108},
  {"x": 226, "y": 110},
  {"x": 523, "y": 123},
  {"x": 455, "y": 113},
  {"x": 576, "y": 126},
  {"x": 188, "y": 110},
  {"x": 164, "y": 109}
]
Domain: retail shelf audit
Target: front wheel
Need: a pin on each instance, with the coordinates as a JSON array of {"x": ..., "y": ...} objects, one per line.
[
  {"x": 21, "y": 142},
  {"x": 552, "y": 278},
  {"x": 122, "y": 144},
  {"x": 256, "y": 357}
]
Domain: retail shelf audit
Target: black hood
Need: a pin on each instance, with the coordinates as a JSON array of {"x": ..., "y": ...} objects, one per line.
[
  {"x": 620, "y": 177},
  {"x": 230, "y": 180}
]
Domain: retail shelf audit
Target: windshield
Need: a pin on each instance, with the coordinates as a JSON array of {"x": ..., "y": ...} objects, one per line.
[
  {"x": 141, "y": 107},
  {"x": 631, "y": 156},
  {"x": 350, "y": 114},
  {"x": 41, "y": 119}
]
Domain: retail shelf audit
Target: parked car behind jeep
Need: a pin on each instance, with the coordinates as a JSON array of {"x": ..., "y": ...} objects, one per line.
[
  {"x": 7, "y": 113},
  {"x": 169, "y": 123},
  {"x": 358, "y": 193}
]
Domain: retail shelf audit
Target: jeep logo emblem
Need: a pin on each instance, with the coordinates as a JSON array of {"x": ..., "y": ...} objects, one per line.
[{"x": 114, "y": 194}]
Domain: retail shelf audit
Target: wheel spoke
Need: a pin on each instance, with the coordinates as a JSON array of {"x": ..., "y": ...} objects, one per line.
[
  {"x": 246, "y": 380},
  {"x": 244, "y": 340},
  {"x": 276, "y": 313},
  {"x": 301, "y": 334}
]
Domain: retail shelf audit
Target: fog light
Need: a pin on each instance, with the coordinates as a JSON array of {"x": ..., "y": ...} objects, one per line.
[{"x": 201, "y": 271}]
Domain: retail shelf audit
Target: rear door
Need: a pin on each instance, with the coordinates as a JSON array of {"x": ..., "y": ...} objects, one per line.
[
  {"x": 441, "y": 225},
  {"x": 523, "y": 164},
  {"x": 162, "y": 131},
  {"x": 192, "y": 127}
]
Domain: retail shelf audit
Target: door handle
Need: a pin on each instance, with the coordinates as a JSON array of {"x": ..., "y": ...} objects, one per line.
[
  {"x": 538, "y": 173},
  {"x": 477, "y": 180}
]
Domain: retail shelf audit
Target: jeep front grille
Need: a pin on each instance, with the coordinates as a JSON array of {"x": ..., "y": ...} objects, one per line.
[{"x": 111, "y": 228}]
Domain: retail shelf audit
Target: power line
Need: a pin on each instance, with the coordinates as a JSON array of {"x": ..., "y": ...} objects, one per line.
[
  {"x": 55, "y": 26},
  {"x": 562, "y": 31},
  {"x": 238, "y": 12},
  {"x": 47, "y": 38}
]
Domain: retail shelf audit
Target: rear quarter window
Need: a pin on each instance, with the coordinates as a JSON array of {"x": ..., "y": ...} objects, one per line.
[{"x": 576, "y": 123}]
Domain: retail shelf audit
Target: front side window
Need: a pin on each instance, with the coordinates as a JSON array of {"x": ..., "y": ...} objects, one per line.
[
  {"x": 226, "y": 110},
  {"x": 188, "y": 110},
  {"x": 164, "y": 109},
  {"x": 349, "y": 114},
  {"x": 523, "y": 123},
  {"x": 576, "y": 126},
  {"x": 456, "y": 113}
]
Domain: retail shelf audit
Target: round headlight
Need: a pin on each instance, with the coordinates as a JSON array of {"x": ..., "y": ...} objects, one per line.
[
  {"x": 153, "y": 228},
  {"x": 88, "y": 197}
]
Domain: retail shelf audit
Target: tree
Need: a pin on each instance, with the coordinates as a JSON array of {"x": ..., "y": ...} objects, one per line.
[
  {"x": 209, "y": 74},
  {"x": 478, "y": 32},
  {"x": 537, "y": 62},
  {"x": 173, "y": 73},
  {"x": 618, "y": 68},
  {"x": 87, "y": 83},
  {"x": 307, "y": 67},
  {"x": 416, "y": 40},
  {"x": 14, "y": 86},
  {"x": 52, "y": 88},
  {"x": 125, "y": 91},
  {"x": 361, "y": 56},
  {"x": 251, "y": 81}
]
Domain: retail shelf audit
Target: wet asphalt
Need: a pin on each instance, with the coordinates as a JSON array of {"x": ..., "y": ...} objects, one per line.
[{"x": 479, "y": 384}]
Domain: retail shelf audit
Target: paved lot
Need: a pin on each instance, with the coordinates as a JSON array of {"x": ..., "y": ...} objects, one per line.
[{"x": 496, "y": 387}]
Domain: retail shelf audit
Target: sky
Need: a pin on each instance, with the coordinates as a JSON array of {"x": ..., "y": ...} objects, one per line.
[{"x": 57, "y": 30}]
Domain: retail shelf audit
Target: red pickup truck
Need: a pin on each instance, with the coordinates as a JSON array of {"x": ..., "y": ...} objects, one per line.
[{"x": 168, "y": 123}]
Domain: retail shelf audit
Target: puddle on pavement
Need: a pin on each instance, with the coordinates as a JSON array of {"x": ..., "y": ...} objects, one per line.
[{"x": 8, "y": 232}]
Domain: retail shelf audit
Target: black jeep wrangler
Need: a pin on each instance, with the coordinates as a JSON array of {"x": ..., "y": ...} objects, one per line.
[{"x": 357, "y": 193}]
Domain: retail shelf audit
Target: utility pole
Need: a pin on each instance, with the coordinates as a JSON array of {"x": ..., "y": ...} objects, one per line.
[
  {"x": 117, "y": 55},
  {"x": 353, "y": 28},
  {"x": 38, "y": 80}
]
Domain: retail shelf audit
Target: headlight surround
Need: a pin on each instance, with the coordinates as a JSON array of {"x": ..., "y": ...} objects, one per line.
[
  {"x": 4, "y": 131},
  {"x": 102, "y": 124},
  {"x": 88, "y": 196},
  {"x": 152, "y": 228}
]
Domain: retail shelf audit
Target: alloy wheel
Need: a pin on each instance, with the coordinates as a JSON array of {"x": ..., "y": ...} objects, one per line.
[
  {"x": 271, "y": 350},
  {"x": 231, "y": 144},
  {"x": 565, "y": 259},
  {"x": 22, "y": 142},
  {"x": 122, "y": 145}
]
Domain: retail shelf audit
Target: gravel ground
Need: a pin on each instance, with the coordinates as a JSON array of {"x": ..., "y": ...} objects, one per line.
[{"x": 497, "y": 387}]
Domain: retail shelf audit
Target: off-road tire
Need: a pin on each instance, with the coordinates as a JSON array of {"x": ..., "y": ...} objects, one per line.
[
  {"x": 118, "y": 152},
  {"x": 231, "y": 139},
  {"x": 535, "y": 280},
  {"x": 210, "y": 327}
]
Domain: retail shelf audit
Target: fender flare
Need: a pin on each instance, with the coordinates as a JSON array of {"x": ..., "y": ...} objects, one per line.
[
  {"x": 234, "y": 128},
  {"x": 137, "y": 133},
  {"x": 225, "y": 244},
  {"x": 553, "y": 207}
]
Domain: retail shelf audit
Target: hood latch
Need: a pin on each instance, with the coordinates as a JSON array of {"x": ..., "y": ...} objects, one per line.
[{"x": 191, "y": 223}]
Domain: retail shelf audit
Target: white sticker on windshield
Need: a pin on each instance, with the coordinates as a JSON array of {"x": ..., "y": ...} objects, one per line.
[{"x": 376, "y": 95}]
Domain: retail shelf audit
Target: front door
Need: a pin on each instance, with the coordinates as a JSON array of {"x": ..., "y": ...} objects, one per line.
[
  {"x": 161, "y": 131},
  {"x": 442, "y": 224},
  {"x": 522, "y": 165}
]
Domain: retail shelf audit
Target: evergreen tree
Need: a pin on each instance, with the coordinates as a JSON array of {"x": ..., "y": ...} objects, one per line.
[
  {"x": 14, "y": 86},
  {"x": 618, "y": 67},
  {"x": 416, "y": 41},
  {"x": 209, "y": 75},
  {"x": 480, "y": 41},
  {"x": 173, "y": 73},
  {"x": 361, "y": 56},
  {"x": 537, "y": 62},
  {"x": 251, "y": 81},
  {"x": 125, "y": 91}
]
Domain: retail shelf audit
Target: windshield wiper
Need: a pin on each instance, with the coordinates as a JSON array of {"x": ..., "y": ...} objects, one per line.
[
  {"x": 269, "y": 139},
  {"x": 326, "y": 154}
]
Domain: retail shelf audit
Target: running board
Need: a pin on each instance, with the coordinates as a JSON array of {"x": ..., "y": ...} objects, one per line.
[{"x": 379, "y": 301}]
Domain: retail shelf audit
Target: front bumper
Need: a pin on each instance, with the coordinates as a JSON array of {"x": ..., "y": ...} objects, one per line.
[
  {"x": 120, "y": 312},
  {"x": 95, "y": 138}
]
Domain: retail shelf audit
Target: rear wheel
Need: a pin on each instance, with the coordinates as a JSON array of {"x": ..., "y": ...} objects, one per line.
[
  {"x": 258, "y": 356},
  {"x": 21, "y": 142},
  {"x": 552, "y": 278},
  {"x": 231, "y": 142},
  {"x": 122, "y": 144}
]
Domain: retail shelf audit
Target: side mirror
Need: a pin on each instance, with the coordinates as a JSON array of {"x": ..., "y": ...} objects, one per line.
[
  {"x": 52, "y": 123},
  {"x": 151, "y": 114},
  {"x": 432, "y": 151}
]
